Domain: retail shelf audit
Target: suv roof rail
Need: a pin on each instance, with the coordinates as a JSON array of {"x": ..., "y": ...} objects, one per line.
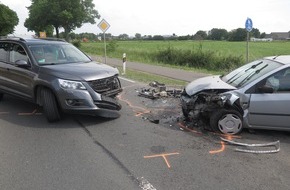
[
  {"x": 52, "y": 39},
  {"x": 12, "y": 37}
]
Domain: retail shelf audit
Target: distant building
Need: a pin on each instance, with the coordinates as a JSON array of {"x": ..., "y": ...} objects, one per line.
[
  {"x": 279, "y": 35},
  {"x": 261, "y": 39}
]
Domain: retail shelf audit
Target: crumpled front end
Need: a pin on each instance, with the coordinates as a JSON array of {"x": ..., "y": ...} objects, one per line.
[{"x": 202, "y": 104}]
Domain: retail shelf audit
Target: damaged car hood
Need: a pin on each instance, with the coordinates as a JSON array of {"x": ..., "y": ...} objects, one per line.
[{"x": 207, "y": 83}]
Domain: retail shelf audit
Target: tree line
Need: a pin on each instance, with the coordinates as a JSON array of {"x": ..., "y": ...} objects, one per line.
[
  {"x": 53, "y": 15},
  {"x": 239, "y": 34}
]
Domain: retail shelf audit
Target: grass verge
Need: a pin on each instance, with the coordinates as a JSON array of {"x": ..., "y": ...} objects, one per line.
[{"x": 147, "y": 78}]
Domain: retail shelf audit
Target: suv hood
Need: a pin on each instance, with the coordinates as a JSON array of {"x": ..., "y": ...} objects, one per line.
[
  {"x": 207, "y": 83},
  {"x": 80, "y": 71}
]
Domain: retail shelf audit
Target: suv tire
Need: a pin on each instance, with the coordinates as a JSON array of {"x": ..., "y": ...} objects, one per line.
[
  {"x": 1, "y": 96},
  {"x": 49, "y": 104}
]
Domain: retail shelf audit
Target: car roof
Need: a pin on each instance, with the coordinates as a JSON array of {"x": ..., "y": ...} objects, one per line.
[
  {"x": 283, "y": 59},
  {"x": 32, "y": 40}
]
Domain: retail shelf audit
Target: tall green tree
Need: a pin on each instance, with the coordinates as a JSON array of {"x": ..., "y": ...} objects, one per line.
[
  {"x": 218, "y": 34},
  {"x": 255, "y": 33},
  {"x": 138, "y": 36},
  {"x": 66, "y": 14},
  {"x": 200, "y": 35},
  {"x": 8, "y": 20},
  {"x": 239, "y": 34}
]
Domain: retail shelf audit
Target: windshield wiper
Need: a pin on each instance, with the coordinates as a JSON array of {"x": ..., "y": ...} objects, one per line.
[
  {"x": 254, "y": 66},
  {"x": 236, "y": 75},
  {"x": 44, "y": 64},
  {"x": 251, "y": 75}
]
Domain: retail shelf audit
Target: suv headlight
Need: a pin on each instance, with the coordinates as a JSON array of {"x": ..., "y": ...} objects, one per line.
[{"x": 71, "y": 85}]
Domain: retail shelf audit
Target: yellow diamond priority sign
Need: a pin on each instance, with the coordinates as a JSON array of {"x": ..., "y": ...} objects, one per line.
[{"x": 104, "y": 25}]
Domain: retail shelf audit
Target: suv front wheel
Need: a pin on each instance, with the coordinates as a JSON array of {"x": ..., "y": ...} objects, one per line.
[{"x": 49, "y": 104}]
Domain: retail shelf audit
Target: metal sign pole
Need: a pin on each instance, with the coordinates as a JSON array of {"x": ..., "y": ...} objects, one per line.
[
  {"x": 249, "y": 27},
  {"x": 247, "y": 47},
  {"x": 105, "y": 48},
  {"x": 104, "y": 26}
]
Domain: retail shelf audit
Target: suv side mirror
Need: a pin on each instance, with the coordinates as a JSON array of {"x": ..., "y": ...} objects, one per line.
[
  {"x": 266, "y": 89},
  {"x": 22, "y": 64}
]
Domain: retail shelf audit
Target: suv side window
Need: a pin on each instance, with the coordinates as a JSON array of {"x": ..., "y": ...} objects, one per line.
[
  {"x": 18, "y": 53},
  {"x": 4, "y": 51}
]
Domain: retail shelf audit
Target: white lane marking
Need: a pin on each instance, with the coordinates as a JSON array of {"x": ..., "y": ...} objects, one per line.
[
  {"x": 127, "y": 79},
  {"x": 145, "y": 185}
]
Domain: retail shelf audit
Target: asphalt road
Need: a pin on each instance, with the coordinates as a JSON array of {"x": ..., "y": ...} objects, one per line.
[{"x": 130, "y": 152}]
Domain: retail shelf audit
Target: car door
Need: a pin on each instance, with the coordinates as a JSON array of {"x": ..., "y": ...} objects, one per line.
[
  {"x": 19, "y": 80},
  {"x": 4, "y": 56},
  {"x": 271, "y": 110}
]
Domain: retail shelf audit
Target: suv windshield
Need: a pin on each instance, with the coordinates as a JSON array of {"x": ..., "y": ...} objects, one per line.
[
  {"x": 249, "y": 72},
  {"x": 57, "y": 54}
]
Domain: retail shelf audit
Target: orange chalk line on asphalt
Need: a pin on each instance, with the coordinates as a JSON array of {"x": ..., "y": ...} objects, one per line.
[
  {"x": 138, "y": 113},
  {"x": 34, "y": 112},
  {"x": 229, "y": 137},
  {"x": 219, "y": 150},
  {"x": 180, "y": 125},
  {"x": 163, "y": 156}
]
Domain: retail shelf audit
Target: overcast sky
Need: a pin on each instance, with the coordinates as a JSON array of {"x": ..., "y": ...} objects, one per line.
[{"x": 182, "y": 17}]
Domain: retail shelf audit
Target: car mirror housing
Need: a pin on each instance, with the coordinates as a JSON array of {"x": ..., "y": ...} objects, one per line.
[{"x": 21, "y": 63}]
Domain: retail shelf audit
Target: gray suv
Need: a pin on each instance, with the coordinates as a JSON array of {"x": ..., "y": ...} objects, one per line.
[{"x": 57, "y": 76}]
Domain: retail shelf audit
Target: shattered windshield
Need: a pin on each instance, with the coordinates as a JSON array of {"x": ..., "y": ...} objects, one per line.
[
  {"x": 249, "y": 72},
  {"x": 48, "y": 54}
]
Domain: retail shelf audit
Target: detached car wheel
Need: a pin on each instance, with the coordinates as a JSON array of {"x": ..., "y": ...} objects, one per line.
[
  {"x": 50, "y": 105},
  {"x": 227, "y": 121}
]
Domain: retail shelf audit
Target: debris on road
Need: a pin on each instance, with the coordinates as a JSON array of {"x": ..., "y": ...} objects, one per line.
[
  {"x": 159, "y": 90},
  {"x": 275, "y": 144}
]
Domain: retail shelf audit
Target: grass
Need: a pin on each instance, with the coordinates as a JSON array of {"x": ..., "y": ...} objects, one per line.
[
  {"x": 140, "y": 51},
  {"x": 147, "y": 78}
]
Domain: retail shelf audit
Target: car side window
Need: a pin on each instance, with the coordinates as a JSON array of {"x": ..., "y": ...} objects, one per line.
[
  {"x": 279, "y": 82},
  {"x": 4, "y": 51},
  {"x": 18, "y": 53},
  {"x": 284, "y": 82}
]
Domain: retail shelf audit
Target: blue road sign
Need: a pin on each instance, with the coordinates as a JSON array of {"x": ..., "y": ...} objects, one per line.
[{"x": 249, "y": 24}]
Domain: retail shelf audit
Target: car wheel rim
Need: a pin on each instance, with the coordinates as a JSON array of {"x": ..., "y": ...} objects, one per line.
[{"x": 230, "y": 124}]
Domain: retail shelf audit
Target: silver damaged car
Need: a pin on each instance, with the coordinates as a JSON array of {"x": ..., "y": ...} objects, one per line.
[{"x": 256, "y": 95}]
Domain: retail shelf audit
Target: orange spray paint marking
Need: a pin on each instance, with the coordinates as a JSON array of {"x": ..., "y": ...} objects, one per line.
[
  {"x": 219, "y": 150},
  {"x": 226, "y": 135},
  {"x": 141, "y": 113},
  {"x": 34, "y": 112},
  {"x": 135, "y": 108},
  {"x": 163, "y": 156}
]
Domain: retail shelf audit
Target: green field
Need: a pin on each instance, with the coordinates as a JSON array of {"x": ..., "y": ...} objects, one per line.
[
  {"x": 142, "y": 51},
  {"x": 207, "y": 56},
  {"x": 138, "y": 50}
]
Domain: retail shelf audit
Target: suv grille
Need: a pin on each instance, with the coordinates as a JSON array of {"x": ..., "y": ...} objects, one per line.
[{"x": 107, "y": 86}]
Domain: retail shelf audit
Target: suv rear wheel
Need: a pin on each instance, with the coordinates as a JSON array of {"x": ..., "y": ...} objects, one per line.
[{"x": 49, "y": 104}]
